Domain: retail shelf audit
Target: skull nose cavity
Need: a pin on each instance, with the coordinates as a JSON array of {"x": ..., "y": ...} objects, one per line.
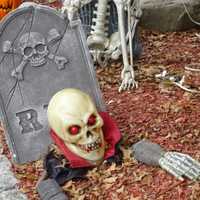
[
  {"x": 89, "y": 134},
  {"x": 35, "y": 55}
]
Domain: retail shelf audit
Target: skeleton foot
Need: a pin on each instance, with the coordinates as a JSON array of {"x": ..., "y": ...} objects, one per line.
[{"x": 128, "y": 80}]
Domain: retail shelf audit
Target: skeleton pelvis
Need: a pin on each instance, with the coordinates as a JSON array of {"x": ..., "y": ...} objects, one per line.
[
  {"x": 97, "y": 42},
  {"x": 108, "y": 45}
]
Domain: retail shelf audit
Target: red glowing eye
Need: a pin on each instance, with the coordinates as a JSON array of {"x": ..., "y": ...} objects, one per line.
[
  {"x": 92, "y": 120},
  {"x": 74, "y": 130}
]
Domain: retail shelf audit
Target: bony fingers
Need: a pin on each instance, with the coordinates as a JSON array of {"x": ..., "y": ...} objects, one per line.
[
  {"x": 189, "y": 161},
  {"x": 125, "y": 86},
  {"x": 136, "y": 84},
  {"x": 130, "y": 84},
  {"x": 195, "y": 162},
  {"x": 187, "y": 171},
  {"x": 169, "y": 167},
  {"x": 121, "y": 88},
  {"x": 173, "y": 172},
  {"x": 191, "y": 175},
  {"x": 194, "y": 172},
  {"x": 180, "y": 165},
  {"x": 133, "y": 85},
  {"x": 185, "y": 164}
]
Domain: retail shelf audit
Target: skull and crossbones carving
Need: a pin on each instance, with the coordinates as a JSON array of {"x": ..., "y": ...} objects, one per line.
[{"x": 34, "y": 49}]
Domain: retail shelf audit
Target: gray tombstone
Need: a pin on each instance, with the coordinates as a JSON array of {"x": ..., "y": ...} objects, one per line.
[{"x": 40, "y": 54}]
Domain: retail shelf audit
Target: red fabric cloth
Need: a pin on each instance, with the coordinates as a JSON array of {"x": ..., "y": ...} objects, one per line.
[{"x": 112, "y": 136}]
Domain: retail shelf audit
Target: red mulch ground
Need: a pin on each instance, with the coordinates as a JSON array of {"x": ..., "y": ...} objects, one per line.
[{"x": 164, "y": 114}]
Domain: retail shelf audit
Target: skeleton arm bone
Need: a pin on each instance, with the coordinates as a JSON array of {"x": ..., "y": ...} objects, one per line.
[
  {"x": 178, "y": 164},
  {"x": 135, "y": 18},
  {"x": 127, "y": 75},
  {"x": 120, "y": 11},
  {"x": 118, "y": 50}
]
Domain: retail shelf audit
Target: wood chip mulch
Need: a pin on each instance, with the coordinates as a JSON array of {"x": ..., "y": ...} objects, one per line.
[{"x": 162, "y": 113}]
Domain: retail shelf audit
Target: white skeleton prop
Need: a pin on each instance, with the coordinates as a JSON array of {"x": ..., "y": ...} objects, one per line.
[
  {"x": 34, "y": 49},
  {"x": 178, "y": 164},
  {"x": 192, "y": 69},
  {"x": 74, "y": 119},
  {"x": 102, "y": 47},
  {"x": 175, "y": 80}
]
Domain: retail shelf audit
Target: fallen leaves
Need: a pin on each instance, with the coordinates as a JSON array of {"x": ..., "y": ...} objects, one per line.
[
  {"x": 195, "y": 191},
  {"x": 162, "y": 113}
]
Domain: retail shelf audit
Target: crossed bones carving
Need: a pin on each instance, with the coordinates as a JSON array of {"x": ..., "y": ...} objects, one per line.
[{"x": 34, "y": 49}]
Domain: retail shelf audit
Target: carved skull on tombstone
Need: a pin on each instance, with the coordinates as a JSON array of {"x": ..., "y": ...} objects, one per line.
[
  {"x": 74, "y": 117},
  {"x": 34, "y": 48}
]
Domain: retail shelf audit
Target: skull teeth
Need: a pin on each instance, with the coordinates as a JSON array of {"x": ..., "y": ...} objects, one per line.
[
  {"x": 38, "y": 61},
  {"x": 91, "y": 146}
]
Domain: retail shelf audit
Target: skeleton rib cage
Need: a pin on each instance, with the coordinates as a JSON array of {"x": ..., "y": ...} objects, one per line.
[
  {"x": 111, "y": 28},
  {"x": 86, "y": 14}
]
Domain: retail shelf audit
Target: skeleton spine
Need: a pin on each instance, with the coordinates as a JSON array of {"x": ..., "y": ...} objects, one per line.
[{"x": 98, "y": 37}]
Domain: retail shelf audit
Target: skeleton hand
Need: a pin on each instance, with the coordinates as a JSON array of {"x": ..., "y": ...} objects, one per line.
[
  {"x": 72, "y": 7},
  {"x": 180, "y": 165},
  {"x": 128, "y": 79}
]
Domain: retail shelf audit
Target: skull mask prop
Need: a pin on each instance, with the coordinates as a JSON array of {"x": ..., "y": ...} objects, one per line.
[
  {"x": 33, "y": 48},
  {"x": 74, "y": 118}
]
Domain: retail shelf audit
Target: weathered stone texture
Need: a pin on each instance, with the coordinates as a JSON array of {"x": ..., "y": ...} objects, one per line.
[{"x": 169, "y": 15}]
